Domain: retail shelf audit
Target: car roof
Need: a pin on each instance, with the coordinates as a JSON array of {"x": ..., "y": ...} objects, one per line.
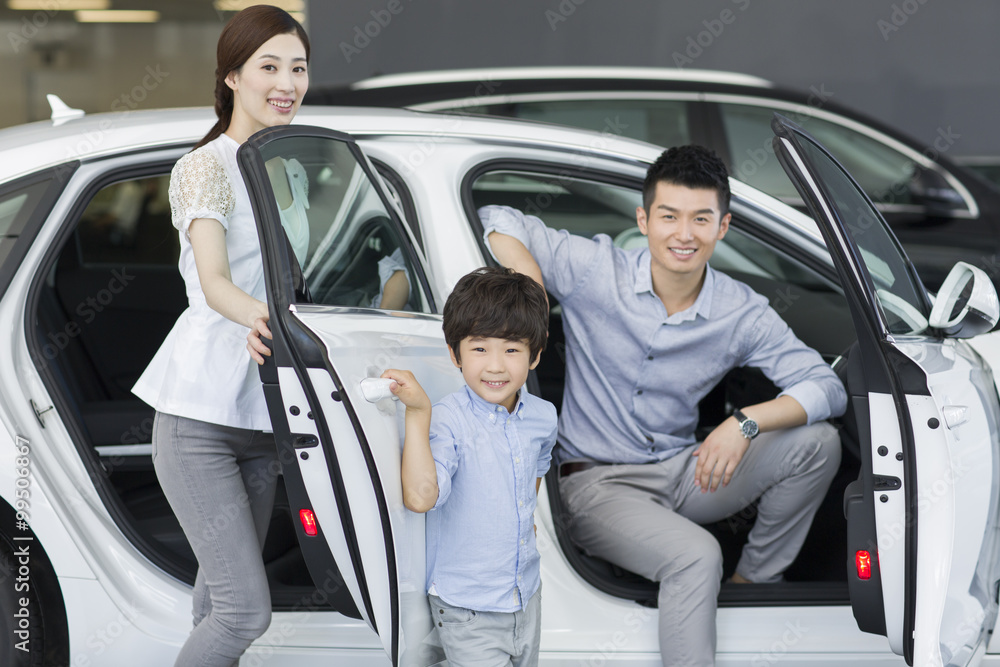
[
  {"x": 578, "y": 72},
  {"x": 29, "y": 148}
]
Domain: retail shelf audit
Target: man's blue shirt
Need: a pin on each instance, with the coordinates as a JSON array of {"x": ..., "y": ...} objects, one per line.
[
  {"x": 481, "y": 551},
  {"x": 634, "y": 375}
]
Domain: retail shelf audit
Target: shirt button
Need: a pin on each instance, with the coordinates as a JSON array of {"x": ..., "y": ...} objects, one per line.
[
  {"x": 520, "y": 503},
  {"x": 639, "y": 392},
  {"x": 517, "y": 460},
  {"x": 650, "y": 357},
  {"x": 522, "y": 542}
]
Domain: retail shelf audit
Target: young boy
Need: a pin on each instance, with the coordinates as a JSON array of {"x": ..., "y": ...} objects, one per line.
[{"x": 474, "y": 462}]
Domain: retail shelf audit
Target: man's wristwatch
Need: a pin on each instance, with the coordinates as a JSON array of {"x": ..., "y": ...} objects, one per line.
[{"x": 747, "y": 425}]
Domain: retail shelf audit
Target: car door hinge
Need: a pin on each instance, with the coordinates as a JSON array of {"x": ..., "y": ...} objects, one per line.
[{"x": 39, "y": 413}]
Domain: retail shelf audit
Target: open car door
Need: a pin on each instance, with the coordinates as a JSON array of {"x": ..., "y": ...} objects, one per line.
[
  {"x": 335, "y": 250},
  {"x": 922, "y": 517}
]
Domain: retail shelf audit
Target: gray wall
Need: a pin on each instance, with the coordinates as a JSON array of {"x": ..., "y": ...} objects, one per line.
[{"x": 923, "y": 66}]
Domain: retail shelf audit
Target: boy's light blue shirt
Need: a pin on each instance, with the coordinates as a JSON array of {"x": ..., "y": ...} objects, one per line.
[{"x": 481, "y": 551}]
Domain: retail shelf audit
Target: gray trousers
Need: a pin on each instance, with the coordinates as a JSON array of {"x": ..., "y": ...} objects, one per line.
[
  {"x": 489, "y": 638},
  {"x": 220, "y": 483},
  {"x": 645, "y": 518}
]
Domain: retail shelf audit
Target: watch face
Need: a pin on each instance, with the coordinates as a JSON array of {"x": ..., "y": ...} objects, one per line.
[{"x": 750, "y": 428}]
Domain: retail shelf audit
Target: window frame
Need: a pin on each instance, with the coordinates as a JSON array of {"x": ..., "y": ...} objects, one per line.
[{"x": 21, "y": 242}]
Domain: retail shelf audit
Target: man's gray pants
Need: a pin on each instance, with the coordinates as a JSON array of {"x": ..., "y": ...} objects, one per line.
[{"x": 645, "y": 518}]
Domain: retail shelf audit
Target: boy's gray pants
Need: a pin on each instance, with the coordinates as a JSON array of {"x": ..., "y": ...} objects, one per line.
[{"x": 645, "y": 518}]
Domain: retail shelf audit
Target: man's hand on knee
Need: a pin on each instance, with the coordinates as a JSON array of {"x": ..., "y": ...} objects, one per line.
[{"x": 719, "y": 454}]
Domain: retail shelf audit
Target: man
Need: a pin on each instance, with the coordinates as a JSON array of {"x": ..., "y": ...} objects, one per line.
[{"x": 648, "y": 333}]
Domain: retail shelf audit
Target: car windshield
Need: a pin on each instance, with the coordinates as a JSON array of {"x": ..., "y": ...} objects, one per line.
[{"x": 897, "y": 291}]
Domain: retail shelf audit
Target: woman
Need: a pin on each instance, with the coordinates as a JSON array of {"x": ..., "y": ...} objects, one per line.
[{"x": 212, "y": 448}]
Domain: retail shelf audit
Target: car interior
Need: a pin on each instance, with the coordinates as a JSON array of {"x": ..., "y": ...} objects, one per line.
[
  {"x": 92, "y": 338},
  {"x": 97, "y": 337},
  {"x": 810, "y": 302}
]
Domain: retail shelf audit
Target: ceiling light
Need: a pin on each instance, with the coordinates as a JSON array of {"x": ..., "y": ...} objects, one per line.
[
  {"x": 289, "y": 6},
  {"x": 61, "y": 5},
  {"x": 118, "y": 16}
]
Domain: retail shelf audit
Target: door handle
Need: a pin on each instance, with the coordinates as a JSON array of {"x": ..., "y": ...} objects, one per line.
[{"x": 376, "y": 389}]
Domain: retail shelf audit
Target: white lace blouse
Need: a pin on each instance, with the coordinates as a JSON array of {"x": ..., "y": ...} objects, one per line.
[{"x": 203, "y": 370}]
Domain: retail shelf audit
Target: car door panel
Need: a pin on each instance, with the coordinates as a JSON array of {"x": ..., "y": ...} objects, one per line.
[
  {"x": 932, "y": 410},
  {"x": 957, "y": 499},
  {"x": 316, "y": 475},
  {"x": 343, "y": 450},
  {"x": 890, "y": 516}
]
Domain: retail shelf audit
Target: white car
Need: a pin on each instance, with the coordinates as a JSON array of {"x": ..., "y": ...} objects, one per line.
[{"x": 94, "y": 569}]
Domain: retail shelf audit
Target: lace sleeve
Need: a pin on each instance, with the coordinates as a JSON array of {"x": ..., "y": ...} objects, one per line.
[{"x": 200, "y": 188}]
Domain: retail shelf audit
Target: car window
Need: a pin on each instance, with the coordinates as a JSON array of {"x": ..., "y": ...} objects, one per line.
[
  {"x": 583, "y": 207},
  {"x": 24, "y": 205},
  {"x": 660, "y": 122},
  {"x": 128, "y": 222},
  {"x": 899, "y": 293},
  {"x": 882, "y": 172},
  {"x": 351, "y": 251},
  {"x": 17, "y": 206}
]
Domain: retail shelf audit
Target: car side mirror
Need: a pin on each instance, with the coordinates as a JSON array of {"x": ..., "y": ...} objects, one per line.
[
  {"x": 930, "y": 189},
  {"x": 966, "y": 305}
]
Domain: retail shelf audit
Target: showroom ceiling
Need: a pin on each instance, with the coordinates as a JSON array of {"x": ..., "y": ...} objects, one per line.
[{"x": 174, "y": 10}]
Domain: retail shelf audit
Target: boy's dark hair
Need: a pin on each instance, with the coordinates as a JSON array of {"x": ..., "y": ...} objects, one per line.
[
  {"x": 497, "y": 303},
  {"x": 691, "y": 167}
]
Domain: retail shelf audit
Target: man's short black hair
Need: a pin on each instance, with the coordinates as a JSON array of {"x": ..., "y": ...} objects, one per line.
[
  {"x": 497, "y": 303},
  {"x": 690, "y": 166}
]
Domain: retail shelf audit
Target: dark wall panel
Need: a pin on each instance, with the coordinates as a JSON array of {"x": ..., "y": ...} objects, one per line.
[{"x": 922, "y": 65}]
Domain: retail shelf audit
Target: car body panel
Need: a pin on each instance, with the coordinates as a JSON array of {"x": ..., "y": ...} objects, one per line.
[{"x": 99, "y": 563}]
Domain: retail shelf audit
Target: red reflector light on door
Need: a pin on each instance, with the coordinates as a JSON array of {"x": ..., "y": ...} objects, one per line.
[
  {"x": 863, "y": 562},
  {"x": 308, "y": 520}
]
